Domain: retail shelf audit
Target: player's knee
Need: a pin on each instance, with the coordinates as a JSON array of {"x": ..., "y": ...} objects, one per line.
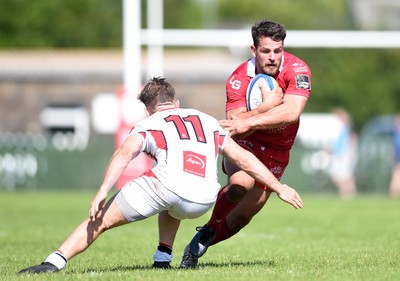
[
  {"x": 104, "y": 224},
  {"x": 99, "y": 225}
]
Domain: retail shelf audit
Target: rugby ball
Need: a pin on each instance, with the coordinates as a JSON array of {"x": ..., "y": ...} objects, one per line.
[{"x": 254, "y": 94}]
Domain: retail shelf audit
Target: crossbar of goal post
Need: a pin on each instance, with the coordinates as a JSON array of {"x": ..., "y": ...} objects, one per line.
[{"x": 295, "y": 38}]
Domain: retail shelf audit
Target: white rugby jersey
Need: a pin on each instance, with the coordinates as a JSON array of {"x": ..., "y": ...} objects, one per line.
[{"x": 185, "y": 143}]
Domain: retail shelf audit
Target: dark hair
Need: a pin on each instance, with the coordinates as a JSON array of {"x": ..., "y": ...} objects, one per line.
[
  {"x": 267, "y": 28},
  {"x": 157, "y": 91}
]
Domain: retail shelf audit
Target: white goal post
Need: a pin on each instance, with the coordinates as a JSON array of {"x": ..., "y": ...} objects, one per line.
[{"x": 295, "y": 38}]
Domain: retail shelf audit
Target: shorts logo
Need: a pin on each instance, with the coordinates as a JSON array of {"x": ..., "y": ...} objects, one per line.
[
  {"x": 194, "y": 163},
  {"x": 277, "y": 171},
  {"x": 303, "y": 82}
]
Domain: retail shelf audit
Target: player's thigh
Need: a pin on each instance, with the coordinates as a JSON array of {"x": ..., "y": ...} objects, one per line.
[
  {"x": 237, "y": 176},
  {"x": 239, "y": 183},
  {"x": 189, "y": 210},
  {"x": 241, "y": 178}
]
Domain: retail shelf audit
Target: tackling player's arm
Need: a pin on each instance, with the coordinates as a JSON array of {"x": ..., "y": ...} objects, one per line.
[
  {"x": 120, "y": 159},
  {"x": 250, "y": 164}
]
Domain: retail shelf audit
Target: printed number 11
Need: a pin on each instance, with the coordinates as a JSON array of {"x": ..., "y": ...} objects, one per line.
[{"x": 180, "y": 126}]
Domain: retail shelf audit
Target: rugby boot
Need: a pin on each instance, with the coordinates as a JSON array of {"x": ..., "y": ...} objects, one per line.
[
  {"x": 44, "y": 267},
  {"x": 188, "y": 260}
]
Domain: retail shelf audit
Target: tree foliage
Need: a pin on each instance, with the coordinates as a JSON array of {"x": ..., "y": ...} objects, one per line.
[
  {"x": 60, "y": 24},
  {"x": 300, "y": 14},
  {"x": 361, "y": 80}
]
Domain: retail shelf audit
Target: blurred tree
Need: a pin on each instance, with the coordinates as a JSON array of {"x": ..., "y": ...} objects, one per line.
[
  {"x": 182, "y": 14},
  {"x": 364, "y": 81},
  {"x": 61, "y": 24},
  {"x": 300, "y": 14}
]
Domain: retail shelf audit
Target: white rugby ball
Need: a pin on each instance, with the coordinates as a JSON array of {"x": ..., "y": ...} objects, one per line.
[{"x": 254, "y": 94}]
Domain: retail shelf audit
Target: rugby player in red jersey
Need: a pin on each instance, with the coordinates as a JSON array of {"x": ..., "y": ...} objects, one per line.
[{"x": 266, "y": 132}]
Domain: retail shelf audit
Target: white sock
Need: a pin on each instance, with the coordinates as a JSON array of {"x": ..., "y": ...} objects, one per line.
[
  {"x": 58, "y": 259},
  {"x": 162, "y": 256}
]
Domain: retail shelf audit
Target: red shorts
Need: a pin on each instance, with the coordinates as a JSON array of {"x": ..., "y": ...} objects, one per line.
[{"x": 274, "y": 159}]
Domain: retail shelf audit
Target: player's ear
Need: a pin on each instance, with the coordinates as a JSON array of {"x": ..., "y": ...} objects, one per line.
[
  {"x": 176, "y": 103},
  {"x": 253, "y": 50}
]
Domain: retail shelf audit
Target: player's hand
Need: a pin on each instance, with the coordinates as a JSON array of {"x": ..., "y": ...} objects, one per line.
[
  {"x": 289, "y": 195},
  {"x": 97, "y": 204},
  {"x": 274, "y": 97},
  {"x": 236, "y": 126},
  {"x": 270, "y": 98}
]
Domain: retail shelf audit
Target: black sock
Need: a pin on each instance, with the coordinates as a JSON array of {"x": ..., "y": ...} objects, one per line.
[{"x": 164, "y": 249}]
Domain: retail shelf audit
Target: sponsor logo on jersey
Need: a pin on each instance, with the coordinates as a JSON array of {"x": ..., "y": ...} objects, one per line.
[
  {"x": 301, "y": 68},
  {"x": 235, "y": 83},
  {"x": 302, "y": 82},
  {"x": 194, "y": 163}
]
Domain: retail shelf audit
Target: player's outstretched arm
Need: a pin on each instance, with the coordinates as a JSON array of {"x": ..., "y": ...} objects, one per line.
[
  {"x": 120, "y": 159},
  {"x": 250, "y": 164}
]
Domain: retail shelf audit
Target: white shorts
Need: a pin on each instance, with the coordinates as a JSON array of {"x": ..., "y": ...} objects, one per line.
[{"x": 146, "y": 196}]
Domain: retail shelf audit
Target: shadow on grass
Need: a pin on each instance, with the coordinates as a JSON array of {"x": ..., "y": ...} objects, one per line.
[{"x": 267, "y": 263}]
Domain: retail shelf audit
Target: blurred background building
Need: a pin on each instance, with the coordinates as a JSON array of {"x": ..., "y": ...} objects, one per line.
[{"x": 61, "y": 67}]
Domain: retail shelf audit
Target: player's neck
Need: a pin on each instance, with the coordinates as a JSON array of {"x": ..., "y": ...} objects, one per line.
[{"x": 165, "y": 106}]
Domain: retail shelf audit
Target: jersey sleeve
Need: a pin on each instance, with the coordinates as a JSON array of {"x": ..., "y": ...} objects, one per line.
[
  {"x": 222, "y": 137},
  {"x": 137, "y": 130},
  {"x": 236, "y": 87},
  {"x": 298, "y": 79}
]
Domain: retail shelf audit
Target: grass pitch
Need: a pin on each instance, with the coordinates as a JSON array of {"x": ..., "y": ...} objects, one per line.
[{"x": 330, "y": 239}]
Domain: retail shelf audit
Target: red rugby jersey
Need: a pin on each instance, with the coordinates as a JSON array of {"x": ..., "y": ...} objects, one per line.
[{"x": 294, "y": 78}]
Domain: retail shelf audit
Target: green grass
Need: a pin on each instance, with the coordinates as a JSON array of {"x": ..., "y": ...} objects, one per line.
[{"x": 330, "y": 239}]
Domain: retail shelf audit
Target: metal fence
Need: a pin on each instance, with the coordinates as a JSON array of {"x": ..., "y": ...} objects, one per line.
[{"x": 36, "y": 161}]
